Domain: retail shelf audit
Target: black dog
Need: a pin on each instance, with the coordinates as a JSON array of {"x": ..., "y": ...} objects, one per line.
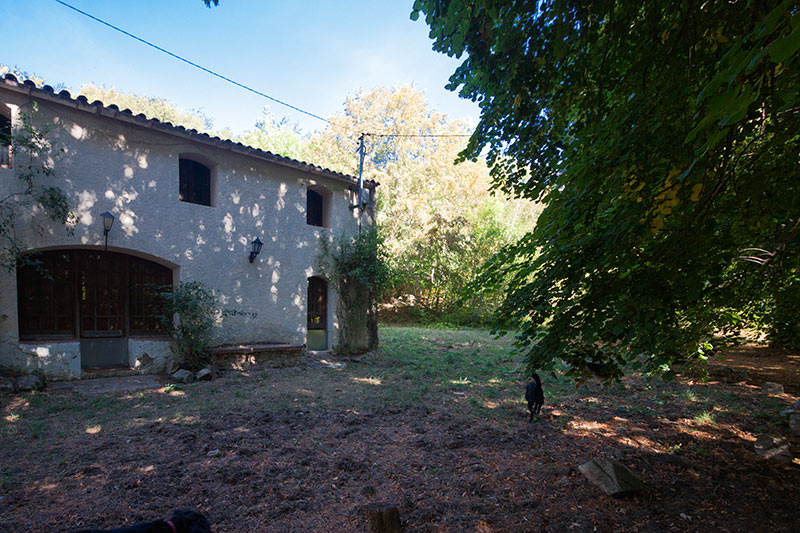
[
  {"x": 180, "y": 522},
  {"x": 534, "y": 395}
]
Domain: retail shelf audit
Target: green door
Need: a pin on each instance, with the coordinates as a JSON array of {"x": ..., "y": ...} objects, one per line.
[{"x": 317, "y": 314}]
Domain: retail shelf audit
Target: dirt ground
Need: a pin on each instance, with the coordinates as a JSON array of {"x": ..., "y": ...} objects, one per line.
[{"x": 301, "y": 449}]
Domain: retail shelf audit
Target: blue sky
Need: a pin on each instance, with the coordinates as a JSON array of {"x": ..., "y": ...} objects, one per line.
[{"x": 309, "y": 54}]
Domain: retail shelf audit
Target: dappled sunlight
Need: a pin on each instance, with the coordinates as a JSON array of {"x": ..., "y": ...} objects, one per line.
[
  {"x": 94, "y": 430},
  {"x": 85, "y": 207},
  {"x": 459, "y": 431},
  {"x": 127, "y": 219},
  {"x": 77, "y": 132},
  {"x": 367, "y": 381},
  {"x": 120, "y": 142},
  {"x": 336, "y": 365},
  {"x": 228, "y": 227},
  {"x": 280, "y": 201}
]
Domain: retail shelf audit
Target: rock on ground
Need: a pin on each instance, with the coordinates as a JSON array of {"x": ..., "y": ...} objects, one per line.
[
  {"x": 611, "y": 476},
  {"x": 205, "y": 374},
  {"x": 794, "y": 422},
  {"x": 773, "y": 447},
  {"x": 771, "y": 388},
  {"x": 183, "y": 376},
  {"x": 30, "y": 382}
]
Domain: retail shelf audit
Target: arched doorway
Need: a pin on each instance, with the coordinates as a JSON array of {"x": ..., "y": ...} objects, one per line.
[
  {"x": 317, "y": 334},
  {"x": 97, "y": 297}
]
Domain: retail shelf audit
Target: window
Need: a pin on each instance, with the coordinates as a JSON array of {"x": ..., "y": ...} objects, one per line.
[
  {"x": 147, "y": 281},
  {"x": 195, "y": 182},
  {"x": 87, "y": 293},
  {"x": 317, "y": 204},
  {"x": 5, "y": 141},
  {"x": 314, "y": 211},
  {"x": 45, "y": 296}
]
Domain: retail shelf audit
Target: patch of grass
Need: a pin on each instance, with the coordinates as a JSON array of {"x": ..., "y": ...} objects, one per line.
[
  {"x": 35, "y": 429},
  {"x": 36, "y": 399},
  {"x": 675, "y": 448},
  {"x": 704, "y": 418},
  {"x": 687, "y": 396},
  {"x": 60, "y": 406}
]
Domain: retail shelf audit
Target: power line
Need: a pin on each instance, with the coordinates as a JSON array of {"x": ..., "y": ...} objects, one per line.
[
  {"x": 176, "y": 56},
  {"x": 416, "y": 135},
  {"x": 241, "y": 85}
]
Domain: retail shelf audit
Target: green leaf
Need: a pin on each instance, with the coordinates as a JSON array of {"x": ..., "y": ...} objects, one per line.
[{"x": 783, "y": 49}]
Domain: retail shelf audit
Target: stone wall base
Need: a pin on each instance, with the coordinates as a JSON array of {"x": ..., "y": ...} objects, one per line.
[{"x": 243, "y": 357}]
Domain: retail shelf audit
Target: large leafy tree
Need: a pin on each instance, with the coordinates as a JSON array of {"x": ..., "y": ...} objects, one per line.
[
  {"x": 438, "y": 220},
  {"x": 663, "y": 138}
]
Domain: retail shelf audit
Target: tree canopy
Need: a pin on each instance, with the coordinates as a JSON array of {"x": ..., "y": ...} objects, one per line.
[
  {"x": 438, "y": 220},
  {"x": 663, "y": 139},
  {"x": 151, "y": 106}
]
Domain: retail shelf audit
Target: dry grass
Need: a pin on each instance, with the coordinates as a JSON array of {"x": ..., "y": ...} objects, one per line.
[{"x": 435, "y": 423}]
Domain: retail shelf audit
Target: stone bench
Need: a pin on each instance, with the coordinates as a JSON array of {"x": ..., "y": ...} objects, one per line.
[{"x": 243, "y": 356}]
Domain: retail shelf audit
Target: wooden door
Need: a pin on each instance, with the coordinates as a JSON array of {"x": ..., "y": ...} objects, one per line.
[{"x": 317, "y": 334}]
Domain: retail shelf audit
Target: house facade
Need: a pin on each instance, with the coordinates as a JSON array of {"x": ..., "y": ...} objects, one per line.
[{"x": 185, "y": 207}]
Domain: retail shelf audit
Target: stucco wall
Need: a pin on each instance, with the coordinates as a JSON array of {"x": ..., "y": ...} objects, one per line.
[{"x": 106, "y": 165}]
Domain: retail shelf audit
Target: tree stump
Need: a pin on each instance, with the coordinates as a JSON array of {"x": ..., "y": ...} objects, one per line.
[{"x": 382, "y": 518}]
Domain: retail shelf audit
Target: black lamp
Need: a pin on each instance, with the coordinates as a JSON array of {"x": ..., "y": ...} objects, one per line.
[
  {"x": 108, "y": 221},
  {"x": 255, "y": 248}
]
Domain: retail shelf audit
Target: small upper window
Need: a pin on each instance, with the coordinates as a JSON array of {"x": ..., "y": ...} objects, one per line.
[
  {"x": 318, "y": 201},
  {"x": 195, "y": 182},
  {"x": 5, "y": 141},
  {"x": 314, "y": 211}
]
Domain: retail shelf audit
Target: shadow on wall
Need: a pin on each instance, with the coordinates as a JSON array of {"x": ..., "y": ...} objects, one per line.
[{"x": 134, "y": 175}]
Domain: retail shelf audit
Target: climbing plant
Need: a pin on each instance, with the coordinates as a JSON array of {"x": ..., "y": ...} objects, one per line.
[
  {"x": 32, "y": 156},
  {"x": 357, "y": 268}
]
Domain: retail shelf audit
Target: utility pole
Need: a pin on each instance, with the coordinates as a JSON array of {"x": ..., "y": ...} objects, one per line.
[{"x": 360, "y": 206}]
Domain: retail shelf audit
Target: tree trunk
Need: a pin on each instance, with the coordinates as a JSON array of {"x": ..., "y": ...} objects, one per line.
[{"x": 382, "y": 518}]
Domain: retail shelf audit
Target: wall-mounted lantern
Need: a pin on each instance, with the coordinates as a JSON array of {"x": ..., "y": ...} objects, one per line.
[
  {"x": 108, "y": 221},
  {"x": 255, "y": 248}
]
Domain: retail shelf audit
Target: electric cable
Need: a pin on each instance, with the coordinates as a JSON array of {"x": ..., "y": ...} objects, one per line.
[
  {"x": 241, "y": 85},
  {"x": 204, "y": 69}
]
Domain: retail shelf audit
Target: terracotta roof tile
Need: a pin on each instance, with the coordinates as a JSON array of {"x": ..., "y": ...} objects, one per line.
[{"x": 63, "y": 97}]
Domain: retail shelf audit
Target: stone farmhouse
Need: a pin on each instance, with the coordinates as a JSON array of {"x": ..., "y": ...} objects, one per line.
[{"x": 186, "y": 206}]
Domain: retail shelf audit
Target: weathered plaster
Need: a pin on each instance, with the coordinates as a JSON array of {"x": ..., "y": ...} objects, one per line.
[
  {"x": 58, "y": 360},
  {"x": 105, "y": 164},
  {"x": 148, "y": 355}
]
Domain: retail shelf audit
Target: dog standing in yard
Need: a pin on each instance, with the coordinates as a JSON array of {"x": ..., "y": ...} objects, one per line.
[
  {"x": 534, "y": 395},
  {"x": 179, "y": 522}
]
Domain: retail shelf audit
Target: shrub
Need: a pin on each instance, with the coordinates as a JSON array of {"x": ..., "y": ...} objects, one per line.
[{"x": 195, "y": 310}]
